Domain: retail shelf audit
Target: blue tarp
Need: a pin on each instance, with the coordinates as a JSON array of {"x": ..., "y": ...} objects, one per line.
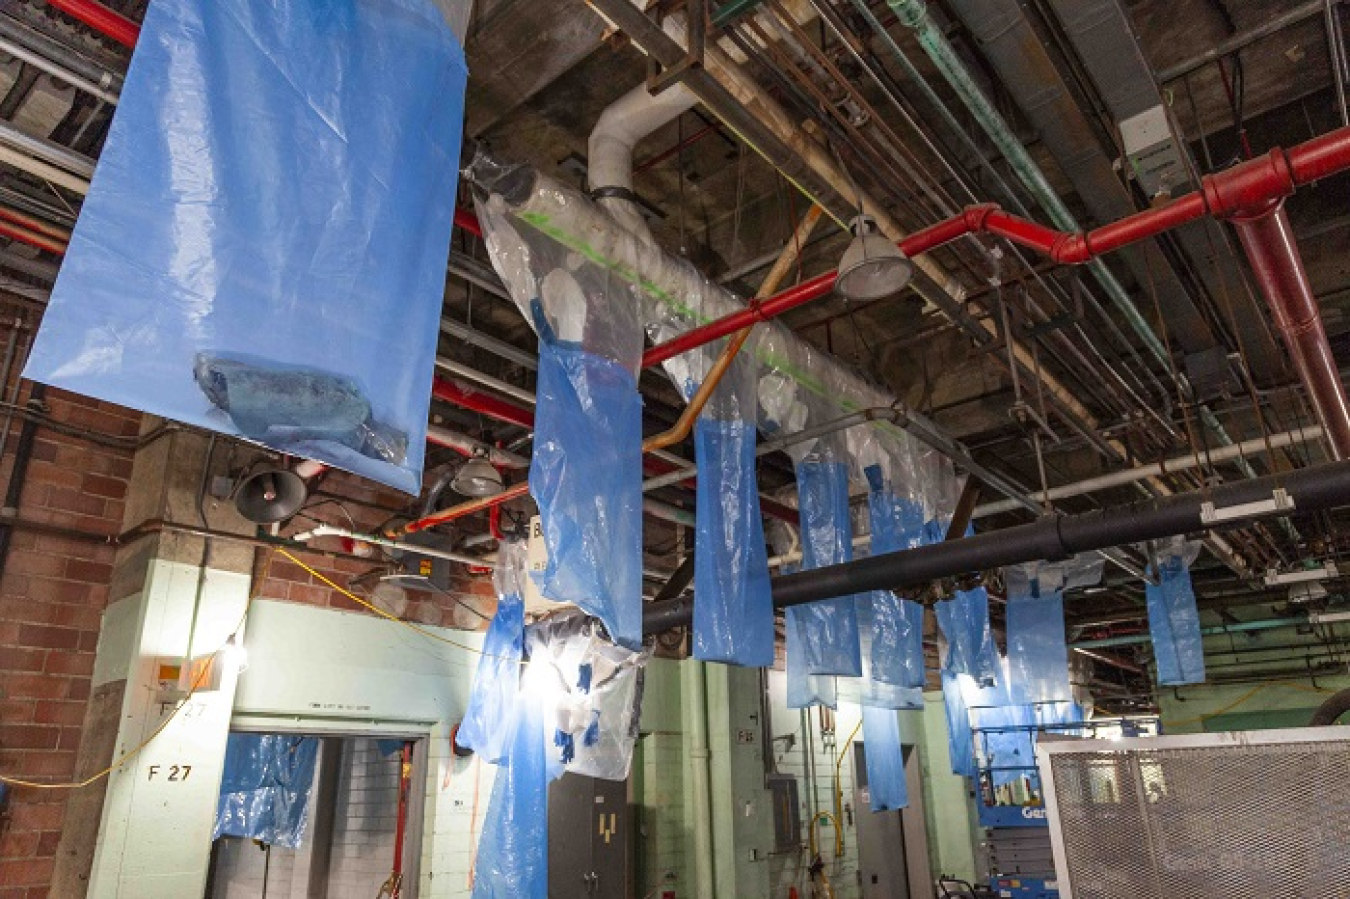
[
  {"x": 262, "y": 252},
  {"x": 586, "y": 476},
  {"x": 264, "y": 792},
  {"x": 1174, "y": 624},
  {"x": 733, "y": 609},
  {"x": 885, "y": 760}
]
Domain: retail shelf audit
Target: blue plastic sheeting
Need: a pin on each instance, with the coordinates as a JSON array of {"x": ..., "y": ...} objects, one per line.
[
  {"x": 960, "y": 738},
  {"x": 733, "y": 609},
  {"x": 263, "y": 250},
  {"x": 822, "y": 637},
  {"x": 512, "y": 858},
  {"x": 897, "y": 624},
  {"x": 1174, "y": 624},
  {"x": 885, "y": 760},
  {"x": 964, "y": 620},
  {"x": 264, "y": 793},
  {"x": 487, "y": 721},
  {"x": 586, "y": 476},
  {"x": 872, "y": 691},
  {"x": 1038, "y": 655}
]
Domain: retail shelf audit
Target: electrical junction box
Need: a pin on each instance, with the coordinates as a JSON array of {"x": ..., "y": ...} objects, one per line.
[
  {"x": 536, "y": 557},
  {"x": 1152, "y": 152}
]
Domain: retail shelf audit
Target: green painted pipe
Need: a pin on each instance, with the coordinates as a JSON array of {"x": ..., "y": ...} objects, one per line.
[
  {"x": 733, "y": 10},
  {"x": 914, "y": 15},
  {"x": 1267, "y": 624}
]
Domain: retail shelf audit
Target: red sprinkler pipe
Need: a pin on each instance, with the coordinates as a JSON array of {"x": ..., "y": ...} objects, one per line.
[
  {"x": 1243, "y": 190},
  {"x": 1273, "y": 253},
  {"x": 101, "y": 19}
]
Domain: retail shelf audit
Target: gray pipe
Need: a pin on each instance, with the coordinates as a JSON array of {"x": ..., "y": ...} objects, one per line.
[{"x": 1312, "y": 489}]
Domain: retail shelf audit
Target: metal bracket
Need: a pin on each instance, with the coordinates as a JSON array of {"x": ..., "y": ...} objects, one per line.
[
  {"x": 1058, "y": 322},
  {"x": 696, "y": 29},
  {"x": 1280, "y": 502}
]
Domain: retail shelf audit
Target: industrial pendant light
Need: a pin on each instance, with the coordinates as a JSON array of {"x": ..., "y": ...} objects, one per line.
[
  {"x": 872, "y": 266},
  {"x": 477, "y": 477}
]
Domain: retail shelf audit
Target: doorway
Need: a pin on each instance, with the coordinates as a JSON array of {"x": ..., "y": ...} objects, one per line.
[{"x": 356, "y": 836}]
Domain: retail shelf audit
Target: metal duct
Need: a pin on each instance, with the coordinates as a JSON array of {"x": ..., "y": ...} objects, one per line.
[
  {"x": 1019, "y": 56},
  {"x": 1308, "y": 490}
]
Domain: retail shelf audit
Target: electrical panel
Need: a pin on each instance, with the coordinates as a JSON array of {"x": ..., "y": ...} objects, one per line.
[
  {"x": 787, "y": 812},
  {"x": 1153, "y": 154}
]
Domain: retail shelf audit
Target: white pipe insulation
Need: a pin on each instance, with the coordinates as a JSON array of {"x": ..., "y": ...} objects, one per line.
[{"x": 609, "y": 153}]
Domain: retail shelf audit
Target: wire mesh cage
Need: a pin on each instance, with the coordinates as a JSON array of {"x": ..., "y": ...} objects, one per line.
[{"x": 1239, "y": 815}]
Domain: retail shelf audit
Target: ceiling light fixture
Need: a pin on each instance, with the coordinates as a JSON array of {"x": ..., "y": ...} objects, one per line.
[
  {"x": 477, "y": 477},
  {"x": 872, "y": 267}
]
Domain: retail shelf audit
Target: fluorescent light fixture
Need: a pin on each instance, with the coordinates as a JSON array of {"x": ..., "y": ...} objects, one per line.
[{"x": 1302, "y": 575}]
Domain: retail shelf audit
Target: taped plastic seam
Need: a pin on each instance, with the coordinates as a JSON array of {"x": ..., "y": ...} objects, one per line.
[
  {"x": 885, "y": 760},
  {"x": 1174, "y": 624},
  {"x": 512, "y": 858},
  {"x": 264, "y": 793},
  {"x": 964, "y": 621},
  {"x": 586, "y": 472},
  {"x": 486, "y": 727},
  {"x": 287, "y": 287},
  {"x": 822, "y": 637}
]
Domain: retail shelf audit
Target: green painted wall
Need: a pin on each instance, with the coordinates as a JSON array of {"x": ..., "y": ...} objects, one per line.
[{"x": 1208, "y": 708}]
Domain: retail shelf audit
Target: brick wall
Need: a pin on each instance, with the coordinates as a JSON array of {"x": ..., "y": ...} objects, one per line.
[
  {"x": 54, "y": 589},
  {"x": 52, "y": 595}
]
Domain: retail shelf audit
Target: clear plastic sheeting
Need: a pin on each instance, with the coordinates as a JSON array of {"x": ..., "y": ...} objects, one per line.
[
  {"x": 264, "y": 793},
  {"x": 487, "y": 721},
  {"x": 885, "y": 760},
  {"x": 964, "y": 621},
  {"x": 512, "y": 860},
  {"x": 586, "y": 472},
  {"x": 1174, "y": 621},
  {"x": 822, "y": 637},
  {"x": 592, "y": 692},
  {"x": 733, "y": 612},
  {"x": 586, "y": 477},
  {"x": 262, "y": 252}
]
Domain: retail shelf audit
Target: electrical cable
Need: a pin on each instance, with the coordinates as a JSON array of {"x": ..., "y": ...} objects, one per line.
[
  {"x": 382, "y": 613},
  {"x": 159, "y": 729}
]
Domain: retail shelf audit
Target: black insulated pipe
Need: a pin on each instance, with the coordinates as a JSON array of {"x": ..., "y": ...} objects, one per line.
[{"x": 1053, "y": 537}]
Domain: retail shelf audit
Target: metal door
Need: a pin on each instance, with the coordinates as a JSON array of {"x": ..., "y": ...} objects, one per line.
[
  {"x": 881, "y": 840},
  {"x": 587, "y": 838}
]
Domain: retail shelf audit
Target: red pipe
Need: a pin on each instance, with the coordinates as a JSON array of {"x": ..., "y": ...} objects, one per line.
[
  {"x": 477, "y": 401},
  {"x": 101, "y": 19},
  {"x": 467, "y": 221},
  {"x": 1273, "y": 253}
]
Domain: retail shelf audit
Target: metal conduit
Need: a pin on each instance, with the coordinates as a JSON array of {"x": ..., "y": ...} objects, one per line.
[{"x": 1311, "y": 489}]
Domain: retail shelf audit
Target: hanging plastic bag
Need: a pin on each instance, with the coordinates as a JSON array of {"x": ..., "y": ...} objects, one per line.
[
  {"x": 1174, "y": 621},
  {"x": 897, "y": 624},
  {"x": 964, "y": 621},
  {"x": 733, "y": 607},
  {"x": 586, "y": 471},
  {"x": 264, "y": 792},
  {"x": 285, "y": 287},
  {"x": 1038, "y": 654},
  {"x": 872, "y": 691},
  {"x": 885, "y": 760},
  {"x": 592, "y": 693},
  {"x": 513, "y": 850},
  {"x": 960, "y": 739},
  {"x": 487, "y": 721},
  {"x": 822, "y": 637}
]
